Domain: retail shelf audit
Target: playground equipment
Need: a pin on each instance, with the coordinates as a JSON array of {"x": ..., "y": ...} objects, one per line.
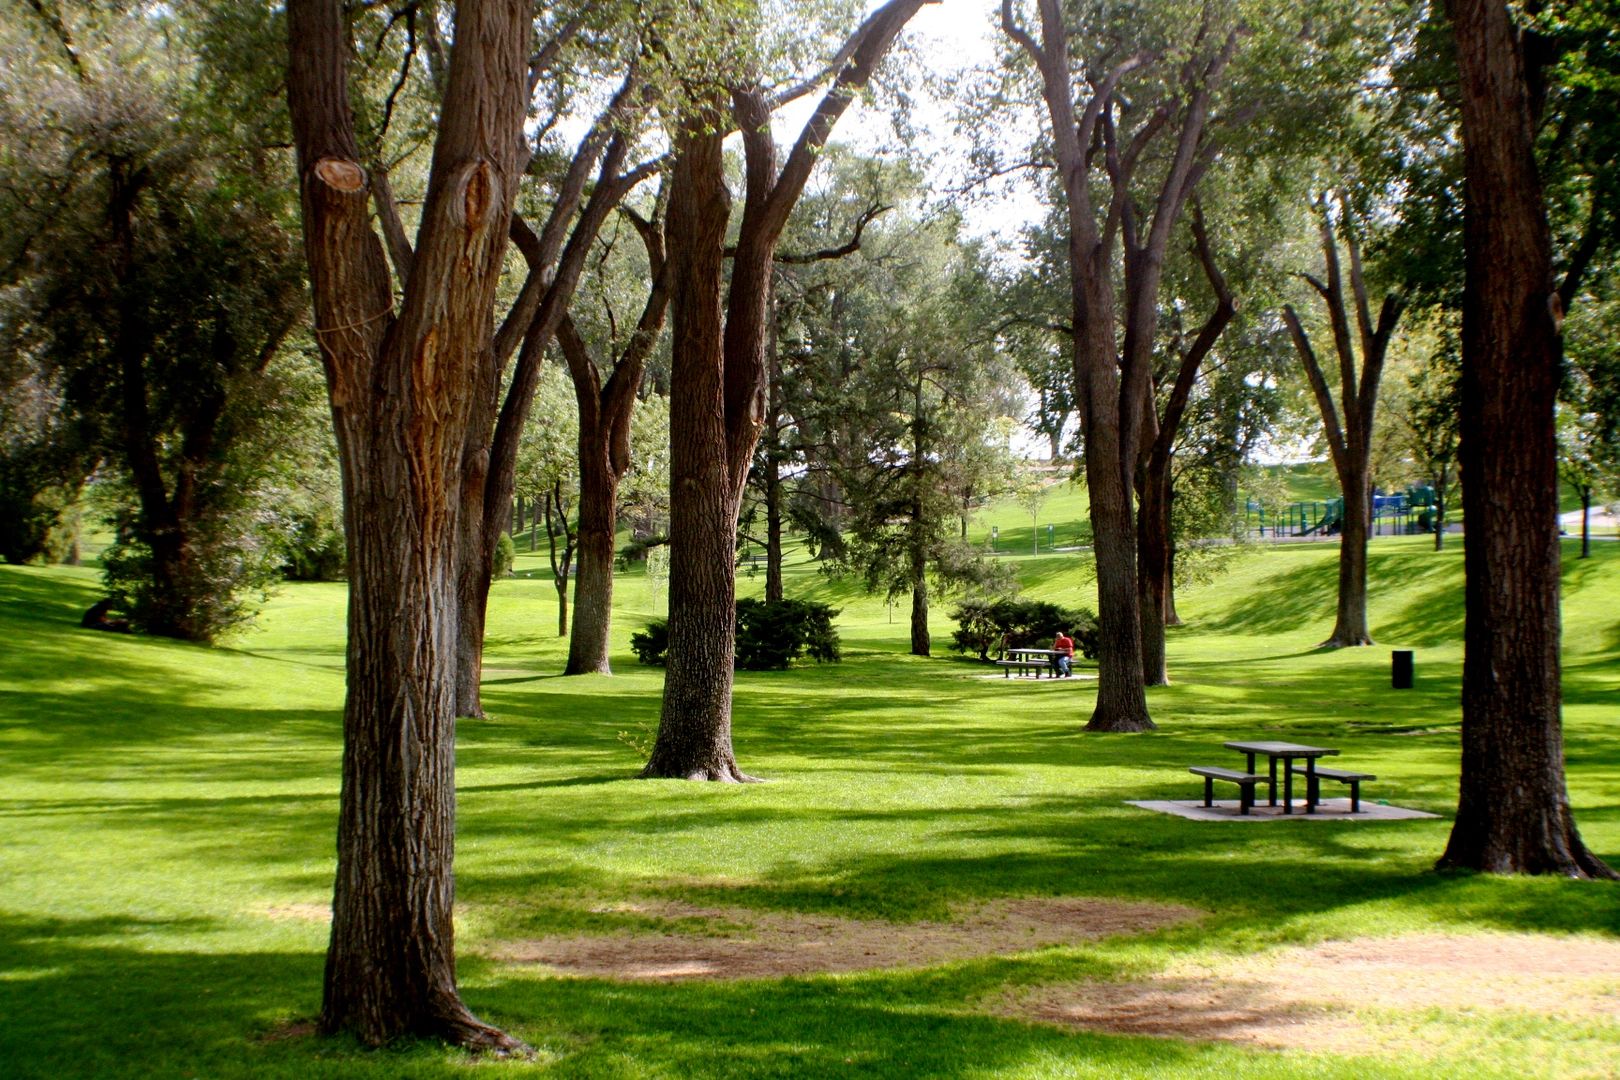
[
  {"x": 1411, "y": 511},
  {"x": 1299, "y": 519}
]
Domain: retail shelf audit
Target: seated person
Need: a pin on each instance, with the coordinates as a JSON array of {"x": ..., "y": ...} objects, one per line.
[
  {"x": 100, "y": 617},
  {"x": 1063, "y": 654}
]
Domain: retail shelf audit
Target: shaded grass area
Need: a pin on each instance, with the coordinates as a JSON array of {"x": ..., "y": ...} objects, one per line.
[{"x": 166, "y": 855}]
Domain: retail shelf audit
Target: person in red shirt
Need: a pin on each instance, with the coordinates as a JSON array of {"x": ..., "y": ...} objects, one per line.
[{"x": 1063, "y": 646}]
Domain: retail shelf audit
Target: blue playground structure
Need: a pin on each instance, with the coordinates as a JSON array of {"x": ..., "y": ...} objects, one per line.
[{"x": 1412, "y": 511}]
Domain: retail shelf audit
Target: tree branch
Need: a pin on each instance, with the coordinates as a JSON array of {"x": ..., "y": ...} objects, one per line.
[
  {"x": 849, "y": 247},
  {"x": 547, "y": 54},
  {"x": 393, "y": 229},
  {"x": 53, "y": 22},
  {"x": 1319, "y": 387}
]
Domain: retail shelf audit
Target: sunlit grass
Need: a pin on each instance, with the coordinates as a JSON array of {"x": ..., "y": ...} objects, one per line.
[{"x": 167, "y": 849}]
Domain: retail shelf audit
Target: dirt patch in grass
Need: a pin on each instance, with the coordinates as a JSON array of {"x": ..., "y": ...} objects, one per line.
[
  {"x": 1339, "y": 996},
  {"x": 299, "y": 912},
  {"x": 734, "y": 943}
]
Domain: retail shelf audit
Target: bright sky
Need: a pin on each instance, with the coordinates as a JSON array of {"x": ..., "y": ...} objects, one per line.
[{"x": 952, "y": 35}]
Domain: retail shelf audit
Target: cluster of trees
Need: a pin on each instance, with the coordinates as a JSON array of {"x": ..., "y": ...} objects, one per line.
[
  {"x": 151, "y": 317},
  {"x": 1355, "y": 112},
  {"x": 503, "y": 204}
]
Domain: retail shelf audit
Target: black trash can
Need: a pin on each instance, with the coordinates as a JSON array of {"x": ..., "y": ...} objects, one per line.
[{"x": 1400, "y": 675}]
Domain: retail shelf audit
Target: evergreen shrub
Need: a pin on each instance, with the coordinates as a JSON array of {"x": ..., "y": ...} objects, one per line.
[
  {"x": 505, "y": 557},
  {"x": 1015, "y": 623},
  {"x": 770, "y": 635}
]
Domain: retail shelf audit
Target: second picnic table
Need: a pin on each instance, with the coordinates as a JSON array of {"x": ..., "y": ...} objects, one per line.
[
  {"x": 1033, "y": 661},
  {"x": 1288, "y": 752}
]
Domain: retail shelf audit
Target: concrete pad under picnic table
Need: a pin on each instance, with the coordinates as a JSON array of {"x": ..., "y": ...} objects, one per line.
[{"x": 1326, "y": 810}]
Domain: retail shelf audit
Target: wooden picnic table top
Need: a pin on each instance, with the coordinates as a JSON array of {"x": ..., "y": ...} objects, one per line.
[
  {"x": 1287, "y": 751},
  {"x": 1280, "y": 749}
]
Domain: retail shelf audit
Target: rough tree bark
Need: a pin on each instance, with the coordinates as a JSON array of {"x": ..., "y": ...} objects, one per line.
[
  {"x": 1513, "y": 812},
  {"x": 1154, "y": 569},
  {"x": 917, "y": 572},
  {"x": 717, "y": 399},
  {"x": 399, "y": 381},
  {"x": 1112, "y": 382},
  {"x": 1349, "y": 424},
  {"x": 694, "y": 728}
]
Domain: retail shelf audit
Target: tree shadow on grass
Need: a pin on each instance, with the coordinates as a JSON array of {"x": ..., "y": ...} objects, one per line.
[
  {"x": 1427, "y": 590},
  {"x": 93, "y": 998},
  {"x": 887, "y": 1024},
  {"x": 45, "y": 596},
  {"x": 1254, "y": 880},
  {"x": 149, "y": 731}
]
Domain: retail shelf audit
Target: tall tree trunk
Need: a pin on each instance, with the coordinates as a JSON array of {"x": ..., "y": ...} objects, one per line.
[
  {"x": 921, "y": 641},
  {"x": 1350, "y": 620},
  {"x": 1121, "y": 695},
  {"x": 1112, "y": 382},
  {"x": 496, "y": 425},
  {"x": 1348, "y": 424},
  {"x": 472, "y": 593},
  {"x": 1155, "y": 595},
  {"x": 1513, "y": 812},
  {"x": 694, "y": 726},
  {"x": 1440, "y": 511},
  {"x": 718, "y": 377},
  {"x": 773, "y": 461},
  {"x": 1153, "y": 573},
  {"x": 593, "y": 575},
  {"x": 773, "y": 527},
  {"x": 1172, "y": 617},
  {"x": 399, "y": 384},
  {"x": 1586, "y": 521},
  {"x": 605, "y": 413}
]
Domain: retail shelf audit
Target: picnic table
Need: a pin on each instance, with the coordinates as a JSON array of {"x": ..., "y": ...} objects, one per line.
[
  {"x": 1287, "y": 753},
  {"x": 1027, "y": 660}
]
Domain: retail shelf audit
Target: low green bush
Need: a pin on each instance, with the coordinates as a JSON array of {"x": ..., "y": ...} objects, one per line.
[
  {"x": 315, "y": 549},
  {"x": 1012, "y": 622},
  {"x": 505, "y": 557},
  {"x": 651, "y": 644},
  {"x": 770, "y": 635}
]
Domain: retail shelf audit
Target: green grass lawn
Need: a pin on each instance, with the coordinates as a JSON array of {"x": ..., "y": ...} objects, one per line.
[{"x": 169, "y": 815}]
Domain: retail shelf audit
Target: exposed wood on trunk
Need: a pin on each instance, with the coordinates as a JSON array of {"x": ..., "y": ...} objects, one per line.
[
  {"x": 1513, "y": 811},
  {"x": 399, "y": 383}
]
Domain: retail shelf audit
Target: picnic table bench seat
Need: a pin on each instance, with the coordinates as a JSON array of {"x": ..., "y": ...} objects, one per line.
[
  {"x": 1245, "y": 781},
  {"x": 1344, "y": 776},
  {"x": 1008, "y": 666}
]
